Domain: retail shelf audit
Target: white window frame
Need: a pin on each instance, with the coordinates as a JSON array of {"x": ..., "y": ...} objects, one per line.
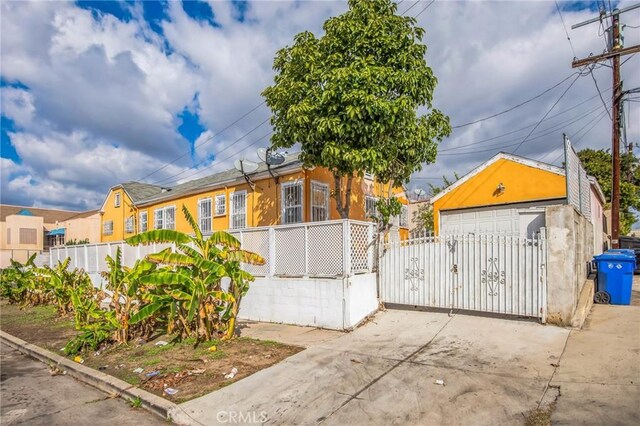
[
  {"x": 312, "y": 205},
  {"x": 143, "y": 224},
  {"x": 202, "y": 219},
  {"x": 222, "y": 197},
  {"x": 404, "y": 216},
  {"x": 283, "y": 207},
  {"x": 129, "y": 225},
  {"x": 117, "y": 199},
  {"x": 367, "y": 214},
  {"x": 163, "y": 218},
  {"x": 107, "y": 227},
  {"x": 233, "y": 213}
]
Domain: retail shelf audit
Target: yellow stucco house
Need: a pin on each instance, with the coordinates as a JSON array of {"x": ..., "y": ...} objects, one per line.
[
  {"x": 505, "y": 195},
  {"x": 228, "y": 200}
]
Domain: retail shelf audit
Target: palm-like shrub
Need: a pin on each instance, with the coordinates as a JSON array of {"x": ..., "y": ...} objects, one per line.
[{"x": 188, "y": 288}]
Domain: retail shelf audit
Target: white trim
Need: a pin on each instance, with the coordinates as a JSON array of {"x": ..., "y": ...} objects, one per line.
[
  {"x": 215, "y": 205},
  {"x": 211, "y": 207},
  {"x": 500, "y": 156},
  {"x": 231, "y": 195},
  {"x": 326, "y": 203},
  {"x": 146, "y": 221},
  {"x": 288, "y": 184}
]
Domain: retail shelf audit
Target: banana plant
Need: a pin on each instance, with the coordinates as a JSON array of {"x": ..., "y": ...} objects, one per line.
[
  {"x": 188, "y": 288},
  {"x": 60, "y": 284},
  {"x": 124, "y": 283}
]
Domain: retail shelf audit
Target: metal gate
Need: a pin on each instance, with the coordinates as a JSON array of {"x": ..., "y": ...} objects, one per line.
[{"x": 489, "y": 273}]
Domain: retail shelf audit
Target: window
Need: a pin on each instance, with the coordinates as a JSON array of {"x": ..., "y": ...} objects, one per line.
[
  {"x": 292, "y": 202},
  {"x": 221, "y": 205},
  {"x": 164, "y": 218},
  {"x": 204, "y": 214},
  {"x": 116, "y": 200},
  {"x": 404, "y": 216},
  {"x": 319, "y": 201},
  {"x": 238, "y": 217},
  {"x": 128, "y": 225},
  {"x": 107, "y": 227},
  {"x": 370, "y": 209},
  {"x": 142, "y": 222},
  {"x": 9, "y": 236}
]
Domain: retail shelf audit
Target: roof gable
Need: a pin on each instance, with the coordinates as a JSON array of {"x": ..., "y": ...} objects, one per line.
[{"x": 500, "y": 156}]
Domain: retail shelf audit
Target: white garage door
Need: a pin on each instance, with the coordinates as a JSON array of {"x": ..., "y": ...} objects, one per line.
[{"x": 523, "y": 220}]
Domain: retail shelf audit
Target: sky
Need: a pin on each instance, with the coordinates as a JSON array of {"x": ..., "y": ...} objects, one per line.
[{"x": 97, "y": 93}]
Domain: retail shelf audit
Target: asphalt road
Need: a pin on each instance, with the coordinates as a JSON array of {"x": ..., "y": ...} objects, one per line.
[{"x": 29, "y": 394}]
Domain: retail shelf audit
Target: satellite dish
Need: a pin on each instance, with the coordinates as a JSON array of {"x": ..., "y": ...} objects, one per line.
[
  {"x": 262, "y": 154},
  {"x": 419, "y": 192},
  {"x": 245, "y": 166},
  {"x": 275, "y": 158}
]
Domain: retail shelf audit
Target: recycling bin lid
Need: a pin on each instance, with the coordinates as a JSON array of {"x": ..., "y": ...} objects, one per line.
[{"x": 615, "y": 256}]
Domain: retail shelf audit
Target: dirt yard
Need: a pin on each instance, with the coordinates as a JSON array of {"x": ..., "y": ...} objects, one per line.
[{"x": 191, "y": 370}]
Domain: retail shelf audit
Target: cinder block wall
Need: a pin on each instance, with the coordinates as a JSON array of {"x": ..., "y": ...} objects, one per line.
[{"x": 569, "y": 254}]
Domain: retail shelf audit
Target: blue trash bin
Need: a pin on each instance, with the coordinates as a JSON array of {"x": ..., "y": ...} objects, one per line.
[{"x": 615, "y": 277}]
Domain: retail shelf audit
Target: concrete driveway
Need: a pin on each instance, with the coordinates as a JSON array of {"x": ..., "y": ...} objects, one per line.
[{"x": 494, "y": 371}]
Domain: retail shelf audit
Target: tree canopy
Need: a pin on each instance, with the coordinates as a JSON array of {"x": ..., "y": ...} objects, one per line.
[
  {"x": 350, "y": 97},
  {"x": 598, "y": 163}
]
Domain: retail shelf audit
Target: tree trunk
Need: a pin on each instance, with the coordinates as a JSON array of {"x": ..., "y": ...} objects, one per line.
[
  {"x": 342, "y": 207},
  {"x": 347, "y": 197}
]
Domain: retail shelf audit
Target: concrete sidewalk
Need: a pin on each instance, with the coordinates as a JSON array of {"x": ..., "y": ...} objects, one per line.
[
  {"x": 494, "y": 370},
  {"x": 599, "y": 374}
]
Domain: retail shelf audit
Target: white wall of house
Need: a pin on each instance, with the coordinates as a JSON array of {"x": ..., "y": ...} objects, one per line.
[
  {"x": 523, "y": 219},
  {"x": 597, "y": 219}
]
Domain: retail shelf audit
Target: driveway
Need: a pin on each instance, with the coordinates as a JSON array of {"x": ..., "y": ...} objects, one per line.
[{"x": 494, "y": 371}]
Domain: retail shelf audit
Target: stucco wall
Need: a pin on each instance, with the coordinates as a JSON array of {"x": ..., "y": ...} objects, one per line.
[
  {"x": 83, "y": 228},
  {"x": 569, "y": 253}
]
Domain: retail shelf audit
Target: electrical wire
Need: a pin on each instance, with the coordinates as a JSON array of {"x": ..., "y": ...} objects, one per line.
[
  {"x": 599, "y": 92},
  {"x": 574, "y": 143},
  {"x": 516, "y": 106},
  {"x": 425, "y": 8},
  {"x": 203, "y": 142},
  {"x": 565, "y": 29},
  {"x": 548, "y": 111},
  {"x": 410, "y": 7}
]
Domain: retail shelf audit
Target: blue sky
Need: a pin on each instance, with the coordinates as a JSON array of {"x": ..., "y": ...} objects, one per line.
[{"x": 96, "y": 93}]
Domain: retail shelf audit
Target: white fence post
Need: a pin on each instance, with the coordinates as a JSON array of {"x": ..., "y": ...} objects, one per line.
[
  {"x": 86, "y": 258},
  {"x": 272, "y": 251},
  {"x": 346, "y": 248},
  {"x": 306, "y": 250},
  {"x": 370, "y": 248}
]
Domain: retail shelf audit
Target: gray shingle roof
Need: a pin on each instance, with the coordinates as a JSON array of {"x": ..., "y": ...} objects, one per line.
[
  {"x": 139, "y": 191},
  {"x": 208, "y": 181}
]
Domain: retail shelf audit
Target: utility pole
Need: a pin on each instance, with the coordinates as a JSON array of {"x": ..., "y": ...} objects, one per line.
[{"x": 616, "y": 50}]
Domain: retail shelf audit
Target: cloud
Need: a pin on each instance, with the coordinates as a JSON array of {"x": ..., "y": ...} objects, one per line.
[{"x": 100, "y": 98}]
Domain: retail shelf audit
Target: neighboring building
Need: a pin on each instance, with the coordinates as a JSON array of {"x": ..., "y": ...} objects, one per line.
[
  {"x": 283, "y": 194},
  {"x": 28, "y": 230},
  {"x": 414, "y": 208},
  {"x": 598, "y": 220},
  {"x": 505, "y": 195}
]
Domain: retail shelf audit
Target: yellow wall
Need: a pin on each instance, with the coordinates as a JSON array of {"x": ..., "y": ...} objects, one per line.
[
  {"x": 263, "y": 203},
  {"x": 522, "y": 184}
]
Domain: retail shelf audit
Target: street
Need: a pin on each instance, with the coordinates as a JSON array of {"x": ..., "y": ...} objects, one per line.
[{"x": 29, "y": 394}]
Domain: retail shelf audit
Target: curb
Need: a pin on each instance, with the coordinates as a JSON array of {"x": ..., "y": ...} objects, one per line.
[{"x": 104, "y": 382}]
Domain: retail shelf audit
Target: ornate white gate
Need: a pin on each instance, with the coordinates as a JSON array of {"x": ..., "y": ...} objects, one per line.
[{"x": 490, "y": 273}]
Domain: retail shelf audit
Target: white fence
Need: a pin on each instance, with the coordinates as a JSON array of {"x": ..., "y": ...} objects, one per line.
[
  {"x": 490, "y": 273},
  {"x": 578, "y": 186},
  {"x": 316, "y": 249}
]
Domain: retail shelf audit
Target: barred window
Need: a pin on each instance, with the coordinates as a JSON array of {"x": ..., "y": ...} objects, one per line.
[
  {"x": 107, "y": 227},
  {"x": 158, "y": 218},
  {"x": 8, "y": 235},
  {"x": 221, "y": 205},
  {"x": 28, "y": 236},
  {"x": 116, "y": 200},
  {"x": 404, "y": 216},
  {"x": 370, "y": 208},
  {"x": 319, "y": 201},
  {"x": 238, "y": 213},
  {"x": 204, "y": 214},
  {"x": 142, "y": 222},
  {"x": 164, "y": 218},
  {"x": 292, "y": 202},
  {"x": 129, "y": 225}
]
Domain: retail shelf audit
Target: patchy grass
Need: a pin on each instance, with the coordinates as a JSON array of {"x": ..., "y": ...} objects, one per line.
[
  {"x": 540, "y": 416},
  {"x": 192, "y": 370}
]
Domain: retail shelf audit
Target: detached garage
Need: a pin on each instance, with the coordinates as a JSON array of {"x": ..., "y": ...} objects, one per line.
[{"x": 505, "y": 195}]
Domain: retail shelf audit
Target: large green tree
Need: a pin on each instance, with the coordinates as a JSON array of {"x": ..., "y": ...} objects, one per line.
[
  {"x": 350, "y": 98},
  {"x": 598, "y": 163}
]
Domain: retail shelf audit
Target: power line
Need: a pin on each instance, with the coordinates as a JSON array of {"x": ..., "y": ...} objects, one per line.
[
  {"x": 599, "y": 92},
  {"x": 410, "y": 7},
  {"x": 547, "y": 113},
  {"x": 203, "y": 142},
  {"x": 565, "y": 29},
  {"x": 172, "y": 177},
  {"x": 516, "y": 106},
  {"x": 425, "y": 8},
  {"x": 603, "y": 115}
]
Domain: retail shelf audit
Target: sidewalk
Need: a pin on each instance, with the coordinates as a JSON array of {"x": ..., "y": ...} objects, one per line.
[{"x": 599, "y": 372}]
